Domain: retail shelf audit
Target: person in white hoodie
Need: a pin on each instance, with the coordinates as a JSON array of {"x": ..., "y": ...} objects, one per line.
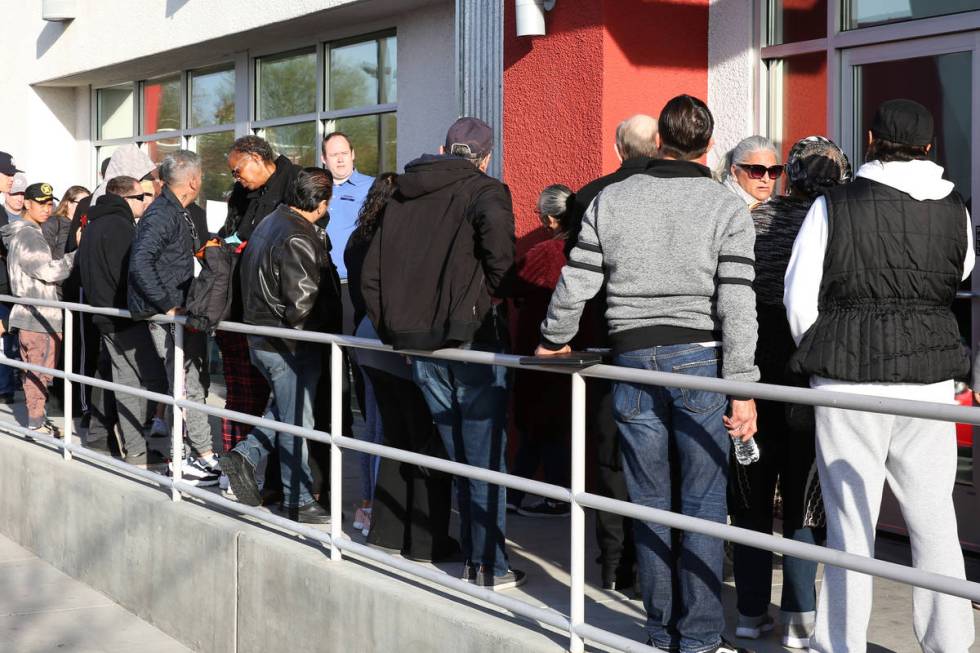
[{"x": 868, "y": 295}]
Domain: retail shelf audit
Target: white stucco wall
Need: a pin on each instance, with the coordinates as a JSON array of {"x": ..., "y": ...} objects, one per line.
[
  {"x": 731, "y": 79},
  {"x": 45, "y": 114}
]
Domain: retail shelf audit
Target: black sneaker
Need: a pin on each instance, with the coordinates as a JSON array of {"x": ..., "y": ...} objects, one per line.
[
  {"x": 150, "y": 459},
  {"x": 469, "y": 572},
  {"x": 200, "y": 472},
  {"x": 546, "y": 508},
  {"x": 241, "y": 478},
  {"x": 311, "y": 513},
  {"x": 513, "y": 578},
  {"x": 7, "y": 398}
]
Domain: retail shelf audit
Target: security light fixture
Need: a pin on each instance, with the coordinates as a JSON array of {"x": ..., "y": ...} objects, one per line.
[
  {"x": 58, "y": 11},
  {"x": 530, "y": 16}
]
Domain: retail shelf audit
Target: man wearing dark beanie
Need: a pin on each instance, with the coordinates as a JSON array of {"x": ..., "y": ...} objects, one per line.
[{"x": 869, "y": 289}]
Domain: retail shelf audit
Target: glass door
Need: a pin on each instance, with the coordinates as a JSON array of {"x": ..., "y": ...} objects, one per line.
[{"x": 942, "y": 74}]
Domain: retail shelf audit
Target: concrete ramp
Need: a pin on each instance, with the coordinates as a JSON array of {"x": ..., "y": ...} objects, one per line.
[{"x": 218, "y": 583}]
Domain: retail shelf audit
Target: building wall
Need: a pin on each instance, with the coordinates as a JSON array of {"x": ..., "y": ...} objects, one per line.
[
  {"x": 564, "y": 93},
  {"x": 46, "y": 120},
  {"x": 732, "y": 62}
]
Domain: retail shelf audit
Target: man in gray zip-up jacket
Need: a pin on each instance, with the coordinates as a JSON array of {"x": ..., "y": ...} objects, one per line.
[{"x": 675, "y": 252}]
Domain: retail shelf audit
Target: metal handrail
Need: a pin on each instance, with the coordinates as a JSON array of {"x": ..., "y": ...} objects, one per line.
[{"x": 575, "y": 624}]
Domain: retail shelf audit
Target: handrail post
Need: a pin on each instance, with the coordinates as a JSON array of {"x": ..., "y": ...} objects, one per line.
[
  {"x": 68, "y": 342},
  {"x": 336, "y": 428},
  {"x": 577, "y": 563},
  {"x": 177, "y": 433}
]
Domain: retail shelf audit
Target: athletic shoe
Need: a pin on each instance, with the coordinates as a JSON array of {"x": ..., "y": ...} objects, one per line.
[
  {"x": 797, "y": 635},
  {"x": 199, "y": 472},
  {"x": 753, "y": 627},
  {"x": 546, "y": 508},
  {"x": 513, "y": 578},
  {"x": 241, "y": 478},
  {"x": 159, "y": 428},
  {"x": 469, "y": 572},
  {"x": 311, "y": 513},
  {"x": 151, "y": 459},
  {"x": 47, "y": 427},
  {"x": 728, "y": 647},
  {"x": 513, "y": 508},
  {"x": 7, "y": 398}
]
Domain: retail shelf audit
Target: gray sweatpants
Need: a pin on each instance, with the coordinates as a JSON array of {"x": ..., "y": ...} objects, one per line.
[
  {"x": 196, "y": 380},
  {"x": 135, "y": 363},
  {"x": 856, "y": 453}
]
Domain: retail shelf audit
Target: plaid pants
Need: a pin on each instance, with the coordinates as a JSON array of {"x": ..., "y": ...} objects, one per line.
[{"x": 247, "y": 391}]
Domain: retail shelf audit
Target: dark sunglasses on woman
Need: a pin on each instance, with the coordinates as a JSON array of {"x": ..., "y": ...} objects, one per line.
[{"x": 757, "y": 171}]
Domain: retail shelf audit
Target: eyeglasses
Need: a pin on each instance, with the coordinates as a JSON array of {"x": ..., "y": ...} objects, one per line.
[
  {"x": 139, "y": 197},
  {"x": 757, "y": 171}
]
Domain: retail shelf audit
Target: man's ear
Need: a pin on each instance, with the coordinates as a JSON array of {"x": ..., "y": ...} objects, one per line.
[
  {"x": 442, "y": 149},
  {"x": 485, "y": 163}
]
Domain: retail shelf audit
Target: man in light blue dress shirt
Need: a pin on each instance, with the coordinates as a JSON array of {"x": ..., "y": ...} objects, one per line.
[{"x": 349, "y": 191}]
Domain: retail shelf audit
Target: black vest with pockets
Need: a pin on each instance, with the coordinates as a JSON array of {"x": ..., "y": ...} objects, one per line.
[{"x": 891, "y": 271}]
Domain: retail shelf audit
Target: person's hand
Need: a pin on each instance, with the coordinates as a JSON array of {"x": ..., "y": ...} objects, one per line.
[
  {"x": 543, "y": 351},
  {"x": 742, "y": 422},
  {"x": 176, "y": 310},
  {"x": 3, "y": 329},
  {"x": 78, "y": 237}
]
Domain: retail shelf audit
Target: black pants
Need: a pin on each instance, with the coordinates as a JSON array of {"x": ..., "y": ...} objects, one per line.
[
  {"x": 411, "y": 504},
  {"x": 617, "y": 553}
]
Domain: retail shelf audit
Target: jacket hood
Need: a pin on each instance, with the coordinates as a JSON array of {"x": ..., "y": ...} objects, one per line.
[
  {"x": 923, "y": 180},
  {"x": 110, "y": 204},
  {"x": 12, "y": 228},
  {"x": 128, "y": 161},
  {"x": 432, "y": 172}
]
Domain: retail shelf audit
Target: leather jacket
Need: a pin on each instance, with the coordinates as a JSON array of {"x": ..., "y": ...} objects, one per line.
[{"x": 287, "y": 277}]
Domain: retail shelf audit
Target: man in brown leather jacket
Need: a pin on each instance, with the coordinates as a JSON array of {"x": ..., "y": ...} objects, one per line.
[{"x": 288, "y": 281}]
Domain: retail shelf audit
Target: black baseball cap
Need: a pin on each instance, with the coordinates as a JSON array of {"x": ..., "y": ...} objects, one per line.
[
  {"x": 471, "y": 132},
  {"x": 7, "y": 166},
  {"x": 903, "y": 121},
  {"x": 40, "y": 193}
]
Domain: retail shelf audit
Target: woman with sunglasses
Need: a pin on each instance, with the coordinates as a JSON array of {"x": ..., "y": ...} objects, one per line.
[
  {"x": 751, "y": 170},
  {"x": 786, "y": 431}
]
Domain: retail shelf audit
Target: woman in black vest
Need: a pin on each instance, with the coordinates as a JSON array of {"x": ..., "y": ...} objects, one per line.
[
  {"x": 869, "y": 292},
  {"x": 785, "y": 437}
]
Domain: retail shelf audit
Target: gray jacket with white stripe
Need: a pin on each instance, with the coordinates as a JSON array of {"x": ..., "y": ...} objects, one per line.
[{"x": 675, "y": 251}]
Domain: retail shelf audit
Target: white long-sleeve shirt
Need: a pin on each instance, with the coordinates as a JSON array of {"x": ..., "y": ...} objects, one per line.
[{"x": 920, "y": 179}]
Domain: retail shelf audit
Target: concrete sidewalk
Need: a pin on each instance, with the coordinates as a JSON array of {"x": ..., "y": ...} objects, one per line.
[{"x": 43, "y": 610}]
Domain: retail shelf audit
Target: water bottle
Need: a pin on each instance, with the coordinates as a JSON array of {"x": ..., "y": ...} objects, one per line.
[{"x": 746, "y": 453}]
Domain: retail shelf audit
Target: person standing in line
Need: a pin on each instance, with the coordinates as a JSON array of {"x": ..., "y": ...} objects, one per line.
[
  {"x": 636, "y": 147},
  {"x": 161, "y": 268},
  {"x": 751, "y": 170},
  {"x": 350, "y": 190},
  {"x": 448, "y": 232},
  {"x": 261, "y": 180},
  {"x": 785, "y": 437},
  {"x": 9, "y": 376},
  {"x": 675, "y": 252},
  {"x": 288, "y": 281},
  {"x": 35, "y": 273},
  {"x": 13, "y": 198},
  {"x": 869, "y": 292},
  {"x": 56, "y": 230},
  {"x": 103, "y": 262}
]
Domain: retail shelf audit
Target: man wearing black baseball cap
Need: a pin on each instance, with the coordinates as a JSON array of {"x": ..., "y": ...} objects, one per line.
[
  {"x": 7, "y": 172},
  {"x": 869, "y": 290},
  {"x": 442, "y": 256}
]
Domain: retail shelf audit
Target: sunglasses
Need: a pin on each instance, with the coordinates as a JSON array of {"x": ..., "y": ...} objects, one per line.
[
  {"x": 757, "y": 171},
  {"x": 139, "y": 197}
]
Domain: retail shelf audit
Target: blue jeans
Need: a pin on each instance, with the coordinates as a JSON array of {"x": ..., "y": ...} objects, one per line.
[
  {"x": 675, "y": 453},
  {"x": 9, "y": 379},
  {"x": 293, "y": 377},
  {"x": 468, "y": 402}
]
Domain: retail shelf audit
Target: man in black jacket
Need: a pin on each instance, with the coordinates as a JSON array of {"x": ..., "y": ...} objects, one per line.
[
  {"x": 261, "y": 180},
  {"x": 160, "y": 273},
  {"x": 103, "y": 264},
  {"x": 288, "y": 281},
  {"x": 443, "y": 255},
  {"x": 636, "y": 147}
]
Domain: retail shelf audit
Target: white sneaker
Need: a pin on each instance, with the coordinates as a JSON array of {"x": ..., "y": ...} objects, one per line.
[
  {"x": 796, "y": 636},
  {"x": 199, "y": 472},
  {"x": 753, "y": 628}
]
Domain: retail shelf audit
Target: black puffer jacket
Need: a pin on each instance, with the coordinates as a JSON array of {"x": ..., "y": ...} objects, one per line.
[
  {"x": 288, "y": 279},
  {"x": 161, "y": 264},
  {"x": 246, "y": 208},
  {"x": 443, "y": 251}
]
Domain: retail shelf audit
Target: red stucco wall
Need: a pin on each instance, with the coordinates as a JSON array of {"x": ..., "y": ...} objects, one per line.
[{"x": 564, "y": 93}]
